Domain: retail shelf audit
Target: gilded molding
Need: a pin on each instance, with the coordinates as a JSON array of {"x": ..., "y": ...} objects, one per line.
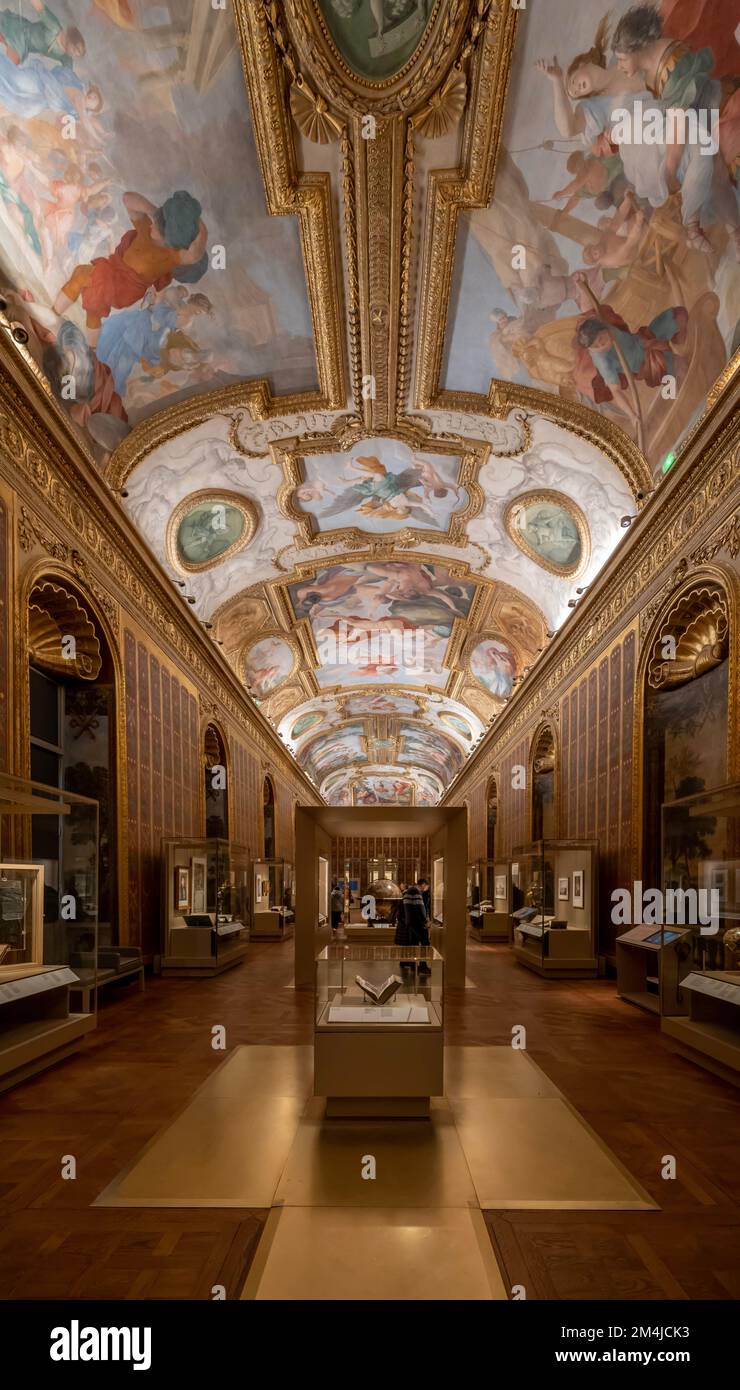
[
  {"x": 188, "y": 504},
  {"x": 288, "y": 191}
]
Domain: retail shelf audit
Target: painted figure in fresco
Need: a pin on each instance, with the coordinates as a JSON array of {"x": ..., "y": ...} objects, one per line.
[
  {"x": 383, "y": 493},
  {"x": 153, "y": 336},
  {"x": 22, "y": 186},
  {"x": 681, "y": 78},
  {"x": 44, "y": 36},
  {"x": 32, "y": 87},
  {"x": 165, "y": 243},
  {"x": 607, "y": 349},
  {"x": 599, "y": 178},
  {"x": 493, "y": 663}
]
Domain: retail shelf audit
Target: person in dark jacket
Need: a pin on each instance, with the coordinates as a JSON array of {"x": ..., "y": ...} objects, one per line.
[
  {"x": 397, "y": 912},
  {"x": 337, "y": 905},
  {"x": 411, "y": 929},
  {"x": 426, "y": 895}
]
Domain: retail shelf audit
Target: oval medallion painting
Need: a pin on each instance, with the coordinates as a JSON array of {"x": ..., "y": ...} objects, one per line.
[
  {"x": 209, "y": 528},
  {"x": 306, "y": 722},
  {"x": 377, "y": 37},
  {"x": 551, "y": 530},
  {"x": 267, "y": 663}
]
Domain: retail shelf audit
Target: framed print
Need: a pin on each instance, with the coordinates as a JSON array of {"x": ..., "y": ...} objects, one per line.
[
  {"x": 198, "y": 875},
  {"x": 500, "y": 885},
  {"x": 182, "y": 889},
  {"x": 578, "y": 887},
  {"x": 563, "y": 890}
]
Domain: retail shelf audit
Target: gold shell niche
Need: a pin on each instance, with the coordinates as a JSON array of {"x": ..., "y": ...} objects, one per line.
[
  {"x": 312, "y": 115},
  {"x": 53, "y": 616},
  {"x": 445, "y": 108},
  {"x": 701, "y": 645}
]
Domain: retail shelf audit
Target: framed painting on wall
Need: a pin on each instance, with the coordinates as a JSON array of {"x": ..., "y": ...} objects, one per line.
[
  {"x": 198, "y": 875},
  {"x": 563, "y": 890},
  {"x": 578, "y": 887},
  {"x": 182, "y": 889},
  {"x": 500, "y": 885}
]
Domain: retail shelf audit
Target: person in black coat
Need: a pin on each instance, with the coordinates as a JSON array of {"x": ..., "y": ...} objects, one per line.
[
  {"x": 426, "y": 895},
  {"x": 411, "y": 923}
]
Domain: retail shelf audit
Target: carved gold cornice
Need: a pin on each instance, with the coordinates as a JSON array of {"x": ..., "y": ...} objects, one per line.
[{"x": 288, "y": 191}]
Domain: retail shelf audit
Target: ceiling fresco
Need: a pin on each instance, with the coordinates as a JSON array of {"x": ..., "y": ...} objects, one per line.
[
  {"x": 134, "y": 225},
  {"x": 378, "y": 325},
  {"x": 606, "y": 262}
]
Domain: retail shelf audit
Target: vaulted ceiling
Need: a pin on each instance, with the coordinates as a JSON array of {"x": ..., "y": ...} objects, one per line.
[{"x": 375, "y": 327}]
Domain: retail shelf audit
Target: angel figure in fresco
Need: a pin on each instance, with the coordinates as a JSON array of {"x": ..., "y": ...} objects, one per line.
[
  {"x": 384, "y": 494},
  {"x": 166, "y": 243}
]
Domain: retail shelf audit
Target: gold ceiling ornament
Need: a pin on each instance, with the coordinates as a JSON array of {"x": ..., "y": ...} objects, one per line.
[
  {"x": 312, "y": 115},
  {"x": 452, "y": 29},
  {"x": 61, "y": 634},
  {"x": 693, "y": 638},
  {"x": 444, "y": 108},
  {"x": 548, "y": 496},
  {"x": 219, "y": 502},
  {"x": 292, "y": 454}
]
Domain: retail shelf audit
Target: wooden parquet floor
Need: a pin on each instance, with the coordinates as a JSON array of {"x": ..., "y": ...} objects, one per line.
[{"x": 150, "y": 1052}]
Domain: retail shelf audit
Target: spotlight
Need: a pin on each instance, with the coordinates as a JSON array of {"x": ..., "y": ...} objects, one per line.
[
  {"x": 625, "y": 521},
  {"x": 179, "y": 582},
  {"x": 123, "y": 492},
  {"x": 207, "y": 626},
  {"x": 189, "y": 598},
  {"x": 550, "y": 634},
  {"x": 584, "y": 590},
  {"x": 572, "y": 602},
  {"x": 647, "y": 493}
]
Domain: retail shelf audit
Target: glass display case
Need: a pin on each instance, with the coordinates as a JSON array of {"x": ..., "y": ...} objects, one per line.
[
  {"x": 700, "y": 862},
  {"x": 700, "y": 859},
  {"x": 49, "y": 959},
  {"x": 205, "y": 902},
  {"x": 489, "y": 902},
  {"x": 399, "y": 985},
  {"x": 273, "y": 900},
  {"x": 554, "y": 907},
  {"x": 378, "y": 1028}
]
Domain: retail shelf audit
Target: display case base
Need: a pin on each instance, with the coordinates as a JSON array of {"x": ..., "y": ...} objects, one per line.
[
  {"x": 32, "y": 1047},
  {"x": 377, "y": 1107},
  {"x": 202, "y": 967},
  {"x": 554, "y": 968},
  {"x": 707, "y": 1044},
  {"x": 489, "y": 935}
]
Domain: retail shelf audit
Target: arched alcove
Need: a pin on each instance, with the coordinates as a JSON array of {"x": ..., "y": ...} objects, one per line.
[
  {"x": 268, "y": 817},
  {"x": 72, "y": 742},
  {"x": 686, "y": 711},
  {"x": 216, "y": 794},
  {"x": 543, "y": 784}
]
